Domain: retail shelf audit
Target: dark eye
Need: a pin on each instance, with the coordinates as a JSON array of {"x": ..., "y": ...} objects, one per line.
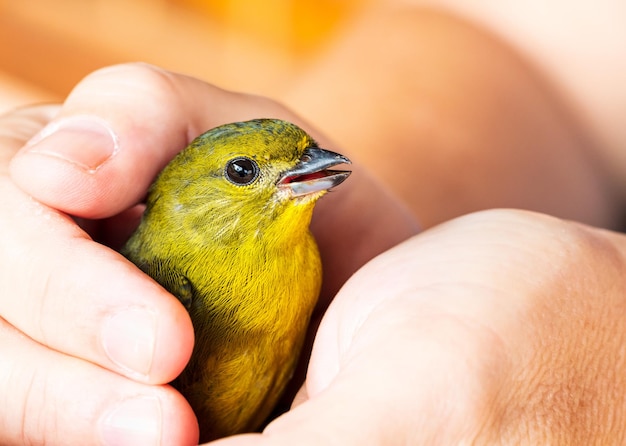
[{"x": 242, "y": 171}]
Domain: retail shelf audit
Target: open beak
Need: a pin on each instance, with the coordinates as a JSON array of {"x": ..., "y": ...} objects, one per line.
[{"x": 311, "y": 174}]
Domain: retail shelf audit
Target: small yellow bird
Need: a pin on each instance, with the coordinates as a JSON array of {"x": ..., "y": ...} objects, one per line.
[{"x": 226, "y": 230}]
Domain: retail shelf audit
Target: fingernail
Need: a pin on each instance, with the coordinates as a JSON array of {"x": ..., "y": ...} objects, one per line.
[
  {"x": 128, "y": 339},
  {"x": 85, "y": 141},
  {"x": 135, "y": 421}
]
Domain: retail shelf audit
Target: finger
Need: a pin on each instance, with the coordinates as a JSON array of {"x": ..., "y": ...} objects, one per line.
[
  {"x": 388, "y": 368},
  {"x": 77, "y": 296},
  {"x": 81, "y": 298},
  {"x": 116, "y": 130},
  {"x": 496, "y": 314},
  {"x": 423, "y": 387},
  {"x": 401, "y": 356},
  {"x": 18, "y": 126},
  {"x": 50, "y": 398},
  {"x": 122, "y": 124}
]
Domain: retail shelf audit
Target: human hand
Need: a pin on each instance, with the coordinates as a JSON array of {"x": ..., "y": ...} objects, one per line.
[
  {"x": 99, "y": 333},
  {"x": 501, "y": 327},
  {"x": 86, "y": 341}
]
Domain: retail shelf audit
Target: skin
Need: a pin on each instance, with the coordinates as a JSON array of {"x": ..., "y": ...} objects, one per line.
[
  {"x": 497, "y": 327},
  {"x": 459, "y": 99},
  {"x": 481, "y": 341},
  {"x": 104, "y": 198}
]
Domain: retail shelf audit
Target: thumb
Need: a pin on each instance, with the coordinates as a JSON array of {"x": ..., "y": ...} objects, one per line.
[{"x": 115, "y": 131}]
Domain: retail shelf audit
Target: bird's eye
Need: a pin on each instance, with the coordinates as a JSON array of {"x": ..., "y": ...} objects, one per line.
[{"x": 242, "y": 171}]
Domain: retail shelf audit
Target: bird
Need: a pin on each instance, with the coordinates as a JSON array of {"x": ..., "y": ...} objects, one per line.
[{"x": 226, "y": 231}]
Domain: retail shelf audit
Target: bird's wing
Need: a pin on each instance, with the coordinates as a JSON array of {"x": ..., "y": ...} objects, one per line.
[
  {"x": 171, "y": 279},
  {"x": 180, "y": 286}
]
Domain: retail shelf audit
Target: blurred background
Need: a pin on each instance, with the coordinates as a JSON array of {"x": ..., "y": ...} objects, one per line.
[{"x": 47, "y": 46}]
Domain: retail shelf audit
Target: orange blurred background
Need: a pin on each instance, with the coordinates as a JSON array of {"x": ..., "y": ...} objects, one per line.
[{"x": 47, "y": 46}]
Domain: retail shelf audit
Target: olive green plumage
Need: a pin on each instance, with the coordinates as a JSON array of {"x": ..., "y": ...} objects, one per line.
[{"x": 226, "y": 231}]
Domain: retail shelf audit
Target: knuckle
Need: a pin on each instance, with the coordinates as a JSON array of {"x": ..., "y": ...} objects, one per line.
[
  {"x": 29, "y": 415},
  {"x": 157, "y": 88}
]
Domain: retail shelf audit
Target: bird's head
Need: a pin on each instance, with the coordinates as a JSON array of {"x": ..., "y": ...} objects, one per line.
[{"x": 239, "y": 178}]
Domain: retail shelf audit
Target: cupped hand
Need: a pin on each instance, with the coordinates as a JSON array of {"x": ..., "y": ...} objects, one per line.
[
  {"x": 88, "y": 340},
  {"x": 501, "y": 327}
]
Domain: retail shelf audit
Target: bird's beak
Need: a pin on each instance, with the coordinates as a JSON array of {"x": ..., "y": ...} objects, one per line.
[{"x": 311, "y": 174}]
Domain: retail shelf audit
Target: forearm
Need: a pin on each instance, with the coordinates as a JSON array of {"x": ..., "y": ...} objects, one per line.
[
  {"x": 453, "y": 121},
  {"x": 579, "y": 46}
]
